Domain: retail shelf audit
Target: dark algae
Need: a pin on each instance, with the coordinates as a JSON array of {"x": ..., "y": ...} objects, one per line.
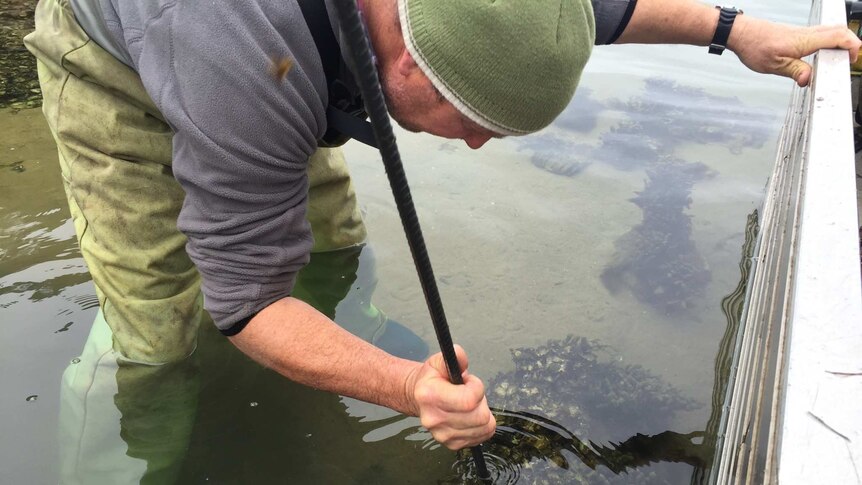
[
  {"x": 571, "y": 412},
  {"x": 657, "y": 259},
  {"x": 582, "y": 114},
  {"x": 656, "y": 123},
  {"x": 19, "y": 85},
  {"x": 668, "y": 115},
  {"x": 556, "y": 155}
]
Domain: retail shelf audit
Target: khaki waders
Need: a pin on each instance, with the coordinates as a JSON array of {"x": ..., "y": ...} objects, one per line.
[
  {"x": 122, "y": 423},
  {"x": 115, "y": 156}
]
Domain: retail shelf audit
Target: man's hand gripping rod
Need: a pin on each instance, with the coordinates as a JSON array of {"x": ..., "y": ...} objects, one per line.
[{"x": 360, "y": 51}]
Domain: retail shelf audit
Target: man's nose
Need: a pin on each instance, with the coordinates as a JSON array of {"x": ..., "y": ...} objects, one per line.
[{"x": 476, "y": 141}]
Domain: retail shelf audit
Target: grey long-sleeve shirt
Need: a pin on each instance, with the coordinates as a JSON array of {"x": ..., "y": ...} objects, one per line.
[{"x": 242, "y": 139}]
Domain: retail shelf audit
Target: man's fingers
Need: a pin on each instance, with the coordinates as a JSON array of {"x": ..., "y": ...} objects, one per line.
[
  {"x": 479, "y": 415},
  {"x": 456, "y": 415},
  {"x": 833, "y": 37},
  {"x": 779, "y": 49},
  {"x": 439, "y": 363},
  {"x": 459, "y": 399},
  {"x": 463, "y": 361},
  {"x": 799, "y": 71},
  {"x": 463, "y": 432},
  {"x": 456, "y": 441},
  {"x": 821, "y": 37}
]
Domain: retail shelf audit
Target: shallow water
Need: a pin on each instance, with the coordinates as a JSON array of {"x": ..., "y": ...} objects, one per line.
[{"x": 582, "y": 267}]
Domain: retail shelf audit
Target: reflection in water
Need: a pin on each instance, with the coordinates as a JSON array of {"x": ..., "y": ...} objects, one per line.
[
  {"x": 218, "y": 416},
  {"x": 732, "y": 306},
  {"x": 48, "y": 288},
  {"x": 121, "y": 422},
  {"x": 39, "y": 257},
  {"x": 29, "y": 237}
]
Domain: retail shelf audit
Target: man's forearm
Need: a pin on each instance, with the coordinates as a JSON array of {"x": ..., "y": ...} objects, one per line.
[
  {"x": 763, "y": 46},
  {"x": 670, "y": 22},
  {"x": 305, "y": 346},
  {"x": 678, "y": 22}
]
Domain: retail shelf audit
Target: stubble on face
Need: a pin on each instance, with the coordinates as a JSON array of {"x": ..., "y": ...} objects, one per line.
[
  {"x": 395, "y": 94},
  {"x": 397, "y": 99}
]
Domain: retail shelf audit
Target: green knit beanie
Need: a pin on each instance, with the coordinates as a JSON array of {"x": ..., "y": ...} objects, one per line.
[{"x": 511, "y": 66}]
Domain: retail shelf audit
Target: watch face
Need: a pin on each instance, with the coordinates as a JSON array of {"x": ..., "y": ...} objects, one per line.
[{"x": 729, "y": 8}]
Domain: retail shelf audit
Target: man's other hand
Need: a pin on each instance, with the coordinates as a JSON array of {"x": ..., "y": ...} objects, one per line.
[{"x": 773, "y": 48}]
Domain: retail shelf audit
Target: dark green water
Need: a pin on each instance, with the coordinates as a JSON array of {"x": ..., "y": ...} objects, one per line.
[{"x": 582, "y": 268}]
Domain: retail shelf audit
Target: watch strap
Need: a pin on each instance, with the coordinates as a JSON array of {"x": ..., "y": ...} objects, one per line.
[{"x": 726, "y": 17}]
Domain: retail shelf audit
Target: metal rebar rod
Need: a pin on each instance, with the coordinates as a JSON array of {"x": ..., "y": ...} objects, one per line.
[{"x": 369, "y": 84}]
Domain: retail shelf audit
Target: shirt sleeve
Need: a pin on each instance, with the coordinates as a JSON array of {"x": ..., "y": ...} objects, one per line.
[
  {"x": 242, "y": 139},
  {"x": 612, "y": 17}
]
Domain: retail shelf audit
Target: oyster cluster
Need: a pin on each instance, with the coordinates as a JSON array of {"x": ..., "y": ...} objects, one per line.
[
  {"x": 657, "y": 260},
  {"x": 563, "y": 395},
  {"x": 668, "y": 115}
]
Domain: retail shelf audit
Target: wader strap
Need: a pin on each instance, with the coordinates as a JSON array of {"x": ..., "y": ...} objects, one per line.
[{"x": 345, "y": 115}]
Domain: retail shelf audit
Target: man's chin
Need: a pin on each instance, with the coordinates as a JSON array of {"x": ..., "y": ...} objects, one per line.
[
  {"x": 395, "y": 114},
  {"x": 407, "y": 126}
]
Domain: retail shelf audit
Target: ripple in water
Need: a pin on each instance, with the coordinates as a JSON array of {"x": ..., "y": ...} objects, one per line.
[
  {"x": 527, "y": 448},
  {"x": 520, "y": 440},
  {"x": 501, "y": 472},
  {"x": 86, "y": 301}
]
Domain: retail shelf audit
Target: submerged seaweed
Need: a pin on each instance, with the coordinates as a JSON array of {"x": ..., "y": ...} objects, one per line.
[
  {"x": 557, "y": 155},
  {"x": 566, "y": 380},
  {"x": 658, "y": 121},
  {"x": 582, "y": 114},
  {"x": 657, "y": 259},
  {"x": 561, "y": 393},
  {"x": 19, "y": 85},
  {"x": 668, "y": 115}
]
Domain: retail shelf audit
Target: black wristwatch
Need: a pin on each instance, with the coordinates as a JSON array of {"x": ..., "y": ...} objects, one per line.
[{"x": 726, "y": 17}]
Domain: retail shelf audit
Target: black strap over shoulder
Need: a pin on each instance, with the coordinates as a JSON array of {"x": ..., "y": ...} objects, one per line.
[
  {"x": 317, "y": 19},
  {"x": 345, "y": 115}
]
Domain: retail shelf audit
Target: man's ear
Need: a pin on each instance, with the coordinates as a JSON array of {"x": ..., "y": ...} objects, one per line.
[{"x": 406, "y": 64}]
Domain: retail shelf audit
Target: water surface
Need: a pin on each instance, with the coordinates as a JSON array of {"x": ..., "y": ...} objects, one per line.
[{"x": 583, "y": 269}]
